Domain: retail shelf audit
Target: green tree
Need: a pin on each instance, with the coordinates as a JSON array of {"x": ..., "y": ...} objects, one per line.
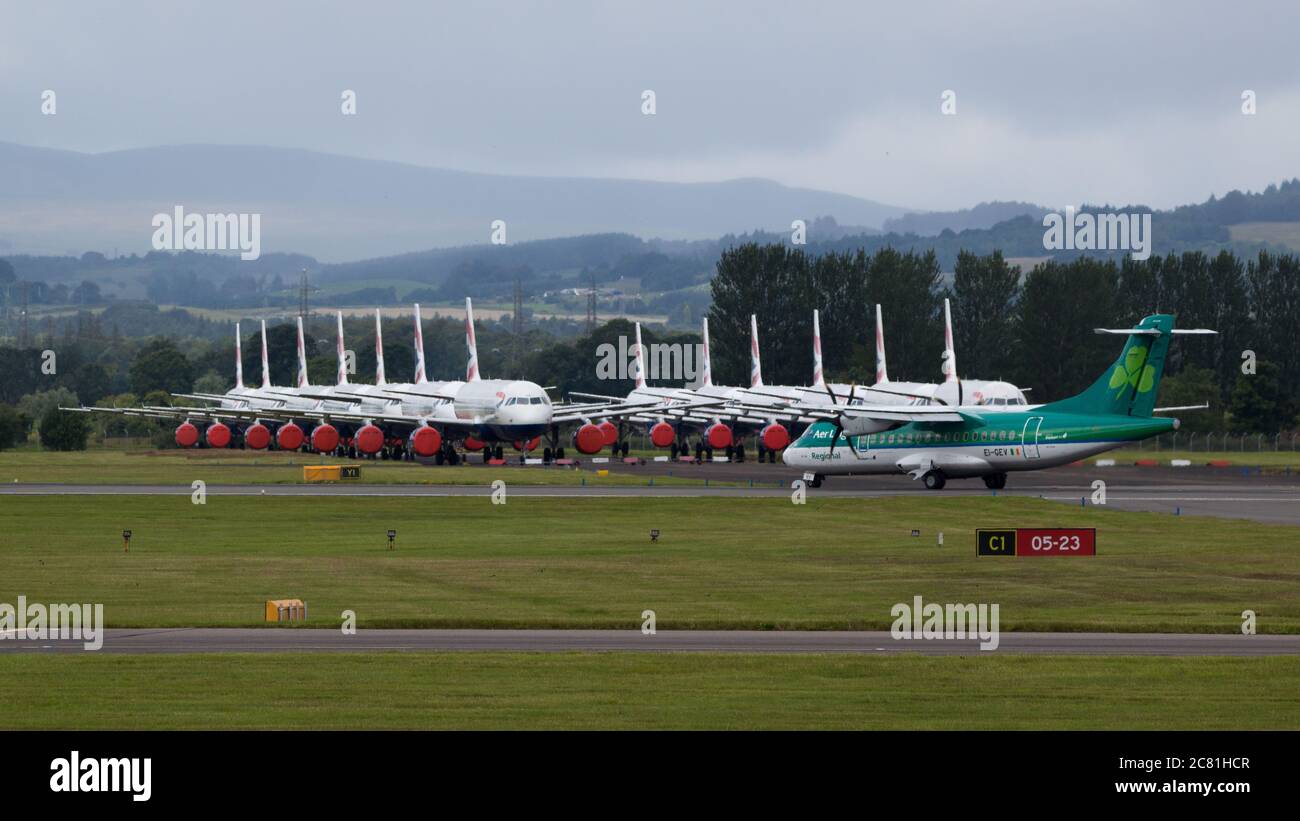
[
  {"x": 91, "y": 382},
  {"x": 14, "y": 426},
  {"x": 212, "y": 382},
  {"x": 160, "y": 365},
  {"x": 1193, "y": 386},
  {"x": 906, "y": 286},
  {"x": 37, "y": 405},
  {"x": 773, "y": 283},
  {"x": 984, "y": 294},
  {"x": 1259, "y": 402},
  {"x": 64, "y": 430},
  {"x": 1057, "y": 353}
]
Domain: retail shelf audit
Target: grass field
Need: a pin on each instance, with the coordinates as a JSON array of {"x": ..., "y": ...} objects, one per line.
[
  {"x": 1282, "y": 233},
  {"x": 589, "y": 562},
  {"x": 245, "y": 467},
  {"x": 1268, "y": 459},
  {"x": 644, "y": 691}
]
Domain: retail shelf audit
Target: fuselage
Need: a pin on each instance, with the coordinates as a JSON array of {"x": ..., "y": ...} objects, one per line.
[
  {"x": 1002, "y": 443},
  {"x": 507, "y": 410}
]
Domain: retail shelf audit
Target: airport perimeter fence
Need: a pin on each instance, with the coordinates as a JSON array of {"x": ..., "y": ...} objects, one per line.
[{"x": 1223, "y": 442}]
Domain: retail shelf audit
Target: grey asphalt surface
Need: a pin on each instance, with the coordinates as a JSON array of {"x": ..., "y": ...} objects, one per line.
[
  {"x": 1222, "y": 492},
  {"x": 311, "y": 640}
]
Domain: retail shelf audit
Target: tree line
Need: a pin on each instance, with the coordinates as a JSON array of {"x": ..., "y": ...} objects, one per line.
[{"x": 1034, "y": 329}]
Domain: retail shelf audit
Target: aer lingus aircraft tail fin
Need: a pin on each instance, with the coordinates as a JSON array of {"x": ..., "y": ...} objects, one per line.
[{"x": 1129, "y": 386}]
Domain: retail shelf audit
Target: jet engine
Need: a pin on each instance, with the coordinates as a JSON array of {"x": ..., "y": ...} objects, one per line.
[
  {"x": 324, "y": 437},
  {"x": 425, "y": 441},
  {"x": 217, "y": 435},
  {"x": 257, "y": 436},
  {"x": 588, "y": 439},
  {"x": 289, "y": 437},
  {"x": 187, "y": 436}
]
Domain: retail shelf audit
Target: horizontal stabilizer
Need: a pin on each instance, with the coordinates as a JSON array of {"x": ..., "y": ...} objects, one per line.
[{"x": 1181, "y": 408}]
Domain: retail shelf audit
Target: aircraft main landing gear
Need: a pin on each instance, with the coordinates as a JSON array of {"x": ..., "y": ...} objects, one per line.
[
  {"x": 934, "y": 480},
  {"x": 995, "y": 481}
]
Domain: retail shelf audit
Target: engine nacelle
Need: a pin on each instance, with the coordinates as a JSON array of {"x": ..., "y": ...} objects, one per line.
[
  {"x": 861, "y": 425},
  {"x": 588, "y": 439},
  {"x": 529, "y": 445},
  {"x": 289, "y": 437},
  {"x": 610, "y": 431},
  {"x": 187, "y": 436},
  {"x": 324, "y": 437},
  {"x": 473, "y": 444},
  {"x": 424, "y": 441},
  {"x": 369, "y": 439},
  {"x": 775, "y": 436},
  {"x": 662, "y": 434},
  {"x": 217, "y": 435},
  {"x": 257, "y": 436},
  {"x": 718, "y": 436}
]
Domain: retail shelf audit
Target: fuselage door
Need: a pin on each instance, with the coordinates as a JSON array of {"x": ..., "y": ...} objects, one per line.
[{"x": 1029, "y": 436}]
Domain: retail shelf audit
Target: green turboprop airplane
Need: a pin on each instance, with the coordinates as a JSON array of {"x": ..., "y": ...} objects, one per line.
[{"x": 935, "y": 443}]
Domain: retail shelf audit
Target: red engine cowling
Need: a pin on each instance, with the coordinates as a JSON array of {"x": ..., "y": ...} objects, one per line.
[
  {"x": 289, "y": 437},
  {"x": 187, "y": 436},
  {"x": 324, "y": 438},
  {"x": 473, "y": 444},
  {"x": 588, "y": 439},
  {"x": 610, "y": 431},
  {"x": 775, "y": 436},
  {"x": 662, "y": 434},
  {"x": 718, "y": 436},
  {"x": 217, "y": 435},
  {"x": 530, "y": 445},
  {"x": 369, "y": 439},
  {"x": 425, "y": 441},
  {"x": 257, "y": 436}
]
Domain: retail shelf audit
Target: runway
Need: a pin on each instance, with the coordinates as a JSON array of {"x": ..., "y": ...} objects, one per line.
[
  {"x": 1227, "y": 492},
  {"x": 310, "y": 640}
]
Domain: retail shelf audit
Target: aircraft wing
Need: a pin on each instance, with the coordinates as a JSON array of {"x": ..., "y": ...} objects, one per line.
[
  {"x": 215, "y": 413},
  {"x": 210, "y": 397},
  {"x": 397, "y": 395},
  {"x": 599, "y": 397},
  {"x": 882, "y": 413},
  {"x": 649, "y": 408},
  {"x": 140, "y": 412}
]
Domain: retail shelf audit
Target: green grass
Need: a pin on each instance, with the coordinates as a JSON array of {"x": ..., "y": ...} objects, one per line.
[
  {"x": 245, "y": 467},
  {"x": 1247, "y": 458},
  {"x": 589, "y": 562},
  {"x": 644, "y": 691},
  {"x": 1281, "y": 233}
]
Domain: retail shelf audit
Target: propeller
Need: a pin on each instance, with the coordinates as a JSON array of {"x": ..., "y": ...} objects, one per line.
[{"x": 839, "y": 421}]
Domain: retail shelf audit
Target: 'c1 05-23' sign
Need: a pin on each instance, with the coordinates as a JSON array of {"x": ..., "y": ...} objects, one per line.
[{"x": 1036, "y": 541}]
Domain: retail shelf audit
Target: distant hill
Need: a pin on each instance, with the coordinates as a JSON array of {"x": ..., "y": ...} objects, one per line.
[
  {"x": 984, "y": 215},
  {"x": 337, "y": 208}
]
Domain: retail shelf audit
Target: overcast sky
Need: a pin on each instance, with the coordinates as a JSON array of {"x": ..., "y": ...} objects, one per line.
[{"x": 1057, "y": 103}]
